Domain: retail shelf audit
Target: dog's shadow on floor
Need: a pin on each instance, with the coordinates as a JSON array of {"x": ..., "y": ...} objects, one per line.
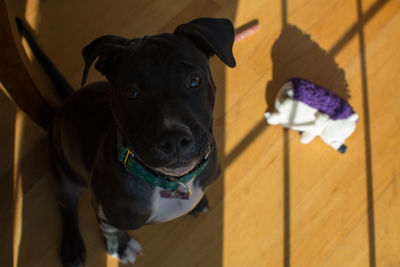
[{"x": 295, "y": 54}]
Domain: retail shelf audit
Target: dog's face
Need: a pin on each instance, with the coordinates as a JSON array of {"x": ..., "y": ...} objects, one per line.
[{"x": 162, "y": 92}]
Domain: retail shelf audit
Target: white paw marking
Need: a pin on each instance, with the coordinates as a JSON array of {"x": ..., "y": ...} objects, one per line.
[
  {"x": 129, "y": 256},
  {"x": 205, "y": 209}
]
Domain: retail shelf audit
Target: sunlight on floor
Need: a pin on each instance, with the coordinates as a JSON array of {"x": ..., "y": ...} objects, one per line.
[
  {"x": 33, "y": 17},
  {"x": 17, "y": 188},
  {"x": 111, "y": 261}
]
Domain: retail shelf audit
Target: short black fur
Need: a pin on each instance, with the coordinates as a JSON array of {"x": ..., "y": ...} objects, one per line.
[{"x": 165, "y": 122}]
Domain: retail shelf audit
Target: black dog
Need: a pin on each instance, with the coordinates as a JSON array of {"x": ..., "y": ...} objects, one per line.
[{"x": 142, "y": 142}]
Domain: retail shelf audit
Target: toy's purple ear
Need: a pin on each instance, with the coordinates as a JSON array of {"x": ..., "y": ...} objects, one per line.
[{"x": 212, "y": 36}]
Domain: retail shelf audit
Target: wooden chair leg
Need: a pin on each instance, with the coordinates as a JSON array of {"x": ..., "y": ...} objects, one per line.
[{"x": 15, "y": 78}]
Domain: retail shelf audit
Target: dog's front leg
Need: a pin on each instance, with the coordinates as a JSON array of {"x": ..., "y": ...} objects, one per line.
[
  {"x": 118, "y": 243},
  {"x": 73, "y": 252},
  {"x": 201, "y": 207}
]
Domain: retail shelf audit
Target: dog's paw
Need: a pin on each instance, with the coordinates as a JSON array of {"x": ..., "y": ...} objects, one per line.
[
  {"x": 200, "y": 208},
  {"x": 73, "y": 252},
  {"x": 127, "y": 255}
]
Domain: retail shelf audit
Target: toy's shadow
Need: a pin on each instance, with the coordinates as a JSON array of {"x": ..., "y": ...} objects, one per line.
[{"x": 295, "y": 54}]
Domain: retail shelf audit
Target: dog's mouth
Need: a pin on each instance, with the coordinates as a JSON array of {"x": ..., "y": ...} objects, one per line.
[
  {"x": 179, "y": 169},
  {"x": 176, "y": 170}
]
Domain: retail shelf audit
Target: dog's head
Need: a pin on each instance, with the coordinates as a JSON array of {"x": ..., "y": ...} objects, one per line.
[{"x": 162, "y": 92}]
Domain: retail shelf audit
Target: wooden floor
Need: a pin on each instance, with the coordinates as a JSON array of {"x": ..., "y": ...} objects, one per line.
[{"x": 277, "y": 202}]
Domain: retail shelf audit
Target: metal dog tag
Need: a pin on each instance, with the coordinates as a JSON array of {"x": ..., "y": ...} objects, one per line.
[{"x": 174, "y": 194}]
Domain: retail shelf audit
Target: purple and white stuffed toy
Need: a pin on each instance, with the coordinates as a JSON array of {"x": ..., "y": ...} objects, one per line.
[{"x": 313, "y": 110}]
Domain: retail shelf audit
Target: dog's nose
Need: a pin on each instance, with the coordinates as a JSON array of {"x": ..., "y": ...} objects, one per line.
[{"x": 176, "y": 140}]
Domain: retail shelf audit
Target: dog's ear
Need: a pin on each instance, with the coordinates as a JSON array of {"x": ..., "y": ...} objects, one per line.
[
  {"x": 211, "y": 35},
  {"x": 105, "y": 48}
]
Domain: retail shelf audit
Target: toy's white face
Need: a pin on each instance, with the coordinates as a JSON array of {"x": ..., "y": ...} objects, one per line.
[{"x": 295, "y": 115}]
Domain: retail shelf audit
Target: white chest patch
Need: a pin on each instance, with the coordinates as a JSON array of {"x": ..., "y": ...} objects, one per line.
[{"x": 165, "y": 209}]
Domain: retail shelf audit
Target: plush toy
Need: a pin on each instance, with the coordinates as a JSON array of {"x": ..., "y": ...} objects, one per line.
[{"x": 313, "y": 110}]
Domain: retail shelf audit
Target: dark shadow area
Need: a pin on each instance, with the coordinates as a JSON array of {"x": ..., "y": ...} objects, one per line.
[
  {"x": 286, "y": 198},
  {"x": 295, "y": 54},
  {"x": 7, "y": 119},
  {"x": 286, "y": 172},
  {"x": 367, "y": 131},
  {"x": 24, "y": 162},
  {"x": 286, "y": 168}
]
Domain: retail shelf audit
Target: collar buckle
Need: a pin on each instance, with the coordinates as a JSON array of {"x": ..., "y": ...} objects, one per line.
[{"x": 126, "y": 157}]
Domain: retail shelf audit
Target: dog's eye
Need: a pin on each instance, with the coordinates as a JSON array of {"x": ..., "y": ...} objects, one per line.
[
  {"x": 194, "y": 81},
  {"x": 132, "y": 93}
]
